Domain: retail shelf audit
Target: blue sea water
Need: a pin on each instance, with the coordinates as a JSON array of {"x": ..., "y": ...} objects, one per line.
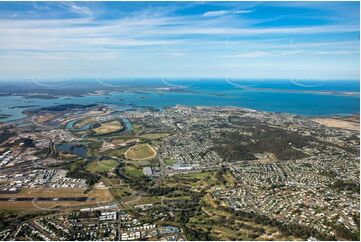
[{"x": 304, "y": 98}]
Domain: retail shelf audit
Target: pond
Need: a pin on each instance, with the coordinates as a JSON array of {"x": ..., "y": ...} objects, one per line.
[{"x": 78, "y": 150}]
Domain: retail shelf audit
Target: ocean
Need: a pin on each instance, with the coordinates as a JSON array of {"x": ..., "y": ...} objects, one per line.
[{"x": 311, "y": 98}]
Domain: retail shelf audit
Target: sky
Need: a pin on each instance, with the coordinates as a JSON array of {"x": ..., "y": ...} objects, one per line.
[{"x": 250, "y": 40}]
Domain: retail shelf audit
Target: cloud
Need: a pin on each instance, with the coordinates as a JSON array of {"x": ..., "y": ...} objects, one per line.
[
  {"x": 141, "y": 30},
  {"x": 78, "y": 9},
  {"x": 243, "y": 11},
  {"x": 261, "y": 53},
  {"x": 148, "y": 34},
  {"x": 338, "y": 52},
  {"x": 161, "y": 38},
  {"x": 215, "y": 13},
  {"x": 224, "y": 12}
]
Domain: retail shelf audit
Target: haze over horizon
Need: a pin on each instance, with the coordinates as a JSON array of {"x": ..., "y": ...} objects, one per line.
[{"x": 254, "y": 40}]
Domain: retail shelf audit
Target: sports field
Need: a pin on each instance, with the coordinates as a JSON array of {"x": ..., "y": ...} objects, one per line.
[{"x": 140, "y": 152}]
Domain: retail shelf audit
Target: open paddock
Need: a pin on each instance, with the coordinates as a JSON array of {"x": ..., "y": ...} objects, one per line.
[
  {"x": 338, "y": 123},
  {"x": 108, "y": 127},
  {"x": 101, "y": 166}
]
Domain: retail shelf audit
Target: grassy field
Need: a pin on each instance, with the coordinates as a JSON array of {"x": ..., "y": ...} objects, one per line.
[
  {"x": 123, "y": 139},
  {"x": 76, "y": 165},
  {"x": 196, "y": 180},
  {"x": 44, "y": 118},
  {"x": 142, "y": 163},
  {"x": 101, "y": 166},
  {"x": 140, "y": 152},
  {"x": 116, "y": 152},
  {"x": 154, "y": 135},
  {"x": 204, "y": 179},
  {"x": 108, "y": 127},
  {"x": 169, "y": 162},
  {"x": 133, "y": 171}
]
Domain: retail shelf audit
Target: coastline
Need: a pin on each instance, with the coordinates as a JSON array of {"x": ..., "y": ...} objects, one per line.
[
  {"x": 316, "y": 104},
  {"x": 310, "y": 116},
  {"x": 345, "y": 121}
]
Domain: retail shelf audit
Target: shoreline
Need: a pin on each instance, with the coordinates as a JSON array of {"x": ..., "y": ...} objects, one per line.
[{"x": 336, "y": 116}]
